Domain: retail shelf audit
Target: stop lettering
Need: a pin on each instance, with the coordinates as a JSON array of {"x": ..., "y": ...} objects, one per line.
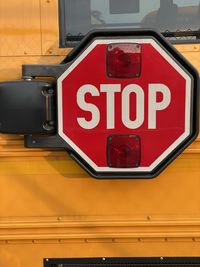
[{"x": 110, "y": 90}]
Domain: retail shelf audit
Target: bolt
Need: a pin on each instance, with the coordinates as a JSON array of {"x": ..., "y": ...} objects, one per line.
[
  {"x": 51, "y": 123},
  {"x": 47, "y": 127},
  {"x": 50, "y": 91},
  {"x": 27, "y": 78}
]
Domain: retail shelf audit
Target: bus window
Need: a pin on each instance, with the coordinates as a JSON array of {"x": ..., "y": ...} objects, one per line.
[{"x": 178, "y": 20}]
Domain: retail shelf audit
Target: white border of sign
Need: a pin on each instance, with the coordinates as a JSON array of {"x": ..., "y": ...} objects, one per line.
[{"x": 188, "y": 100}]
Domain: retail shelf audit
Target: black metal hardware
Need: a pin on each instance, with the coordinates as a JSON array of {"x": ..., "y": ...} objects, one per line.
[
  {"x": 44, "y": 141},
  {"x": 27, "y": 106},
  {"x": 123, "y": 262},
  {"x": 43, "y": 70}
]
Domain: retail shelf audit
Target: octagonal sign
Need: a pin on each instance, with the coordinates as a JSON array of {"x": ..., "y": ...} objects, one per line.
[{"x": 127, "y": 106}]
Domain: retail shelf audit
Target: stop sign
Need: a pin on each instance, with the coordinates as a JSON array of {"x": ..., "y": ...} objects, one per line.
[{"x": 128, "y": 105}]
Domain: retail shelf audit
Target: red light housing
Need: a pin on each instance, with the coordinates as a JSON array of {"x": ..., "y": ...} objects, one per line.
[
  {"x": 124, "y": 60},
  {"x": 123, "y": 151}
]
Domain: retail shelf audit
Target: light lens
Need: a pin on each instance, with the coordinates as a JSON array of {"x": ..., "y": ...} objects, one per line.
[
  {"x": 123, "y": 151},
  {"x": 124, "y": 60}
]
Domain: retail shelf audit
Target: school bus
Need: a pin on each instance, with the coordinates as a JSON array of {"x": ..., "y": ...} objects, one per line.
[{"x": 49, "y": 206}]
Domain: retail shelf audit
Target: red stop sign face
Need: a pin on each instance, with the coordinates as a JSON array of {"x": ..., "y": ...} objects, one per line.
[{"x": 154, "y": 105}]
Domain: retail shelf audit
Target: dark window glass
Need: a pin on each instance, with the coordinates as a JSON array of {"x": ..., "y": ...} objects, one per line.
[{"x": 178, "y": 20}]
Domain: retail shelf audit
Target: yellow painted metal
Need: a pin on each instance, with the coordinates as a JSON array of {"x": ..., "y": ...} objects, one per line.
[
  {"x": 49, "y": 207},
  {"x": 20, "y": 30}
]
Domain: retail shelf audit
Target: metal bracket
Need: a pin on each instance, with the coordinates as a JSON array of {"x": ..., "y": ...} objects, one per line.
[
  {"x": 28, "y": 106},
  {"x": 44, "y": 70},
  {"x": 44, "y": 141}
]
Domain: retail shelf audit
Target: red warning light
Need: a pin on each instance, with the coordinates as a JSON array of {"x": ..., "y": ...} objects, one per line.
[
  {"x": 123, "y": 151},
  {"x": 124, "y": 60}
]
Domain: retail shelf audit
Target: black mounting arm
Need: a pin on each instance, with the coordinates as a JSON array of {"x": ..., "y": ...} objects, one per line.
[
  {"x": 43, "y": 70},
  {"x": 29, "y": 107}
]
